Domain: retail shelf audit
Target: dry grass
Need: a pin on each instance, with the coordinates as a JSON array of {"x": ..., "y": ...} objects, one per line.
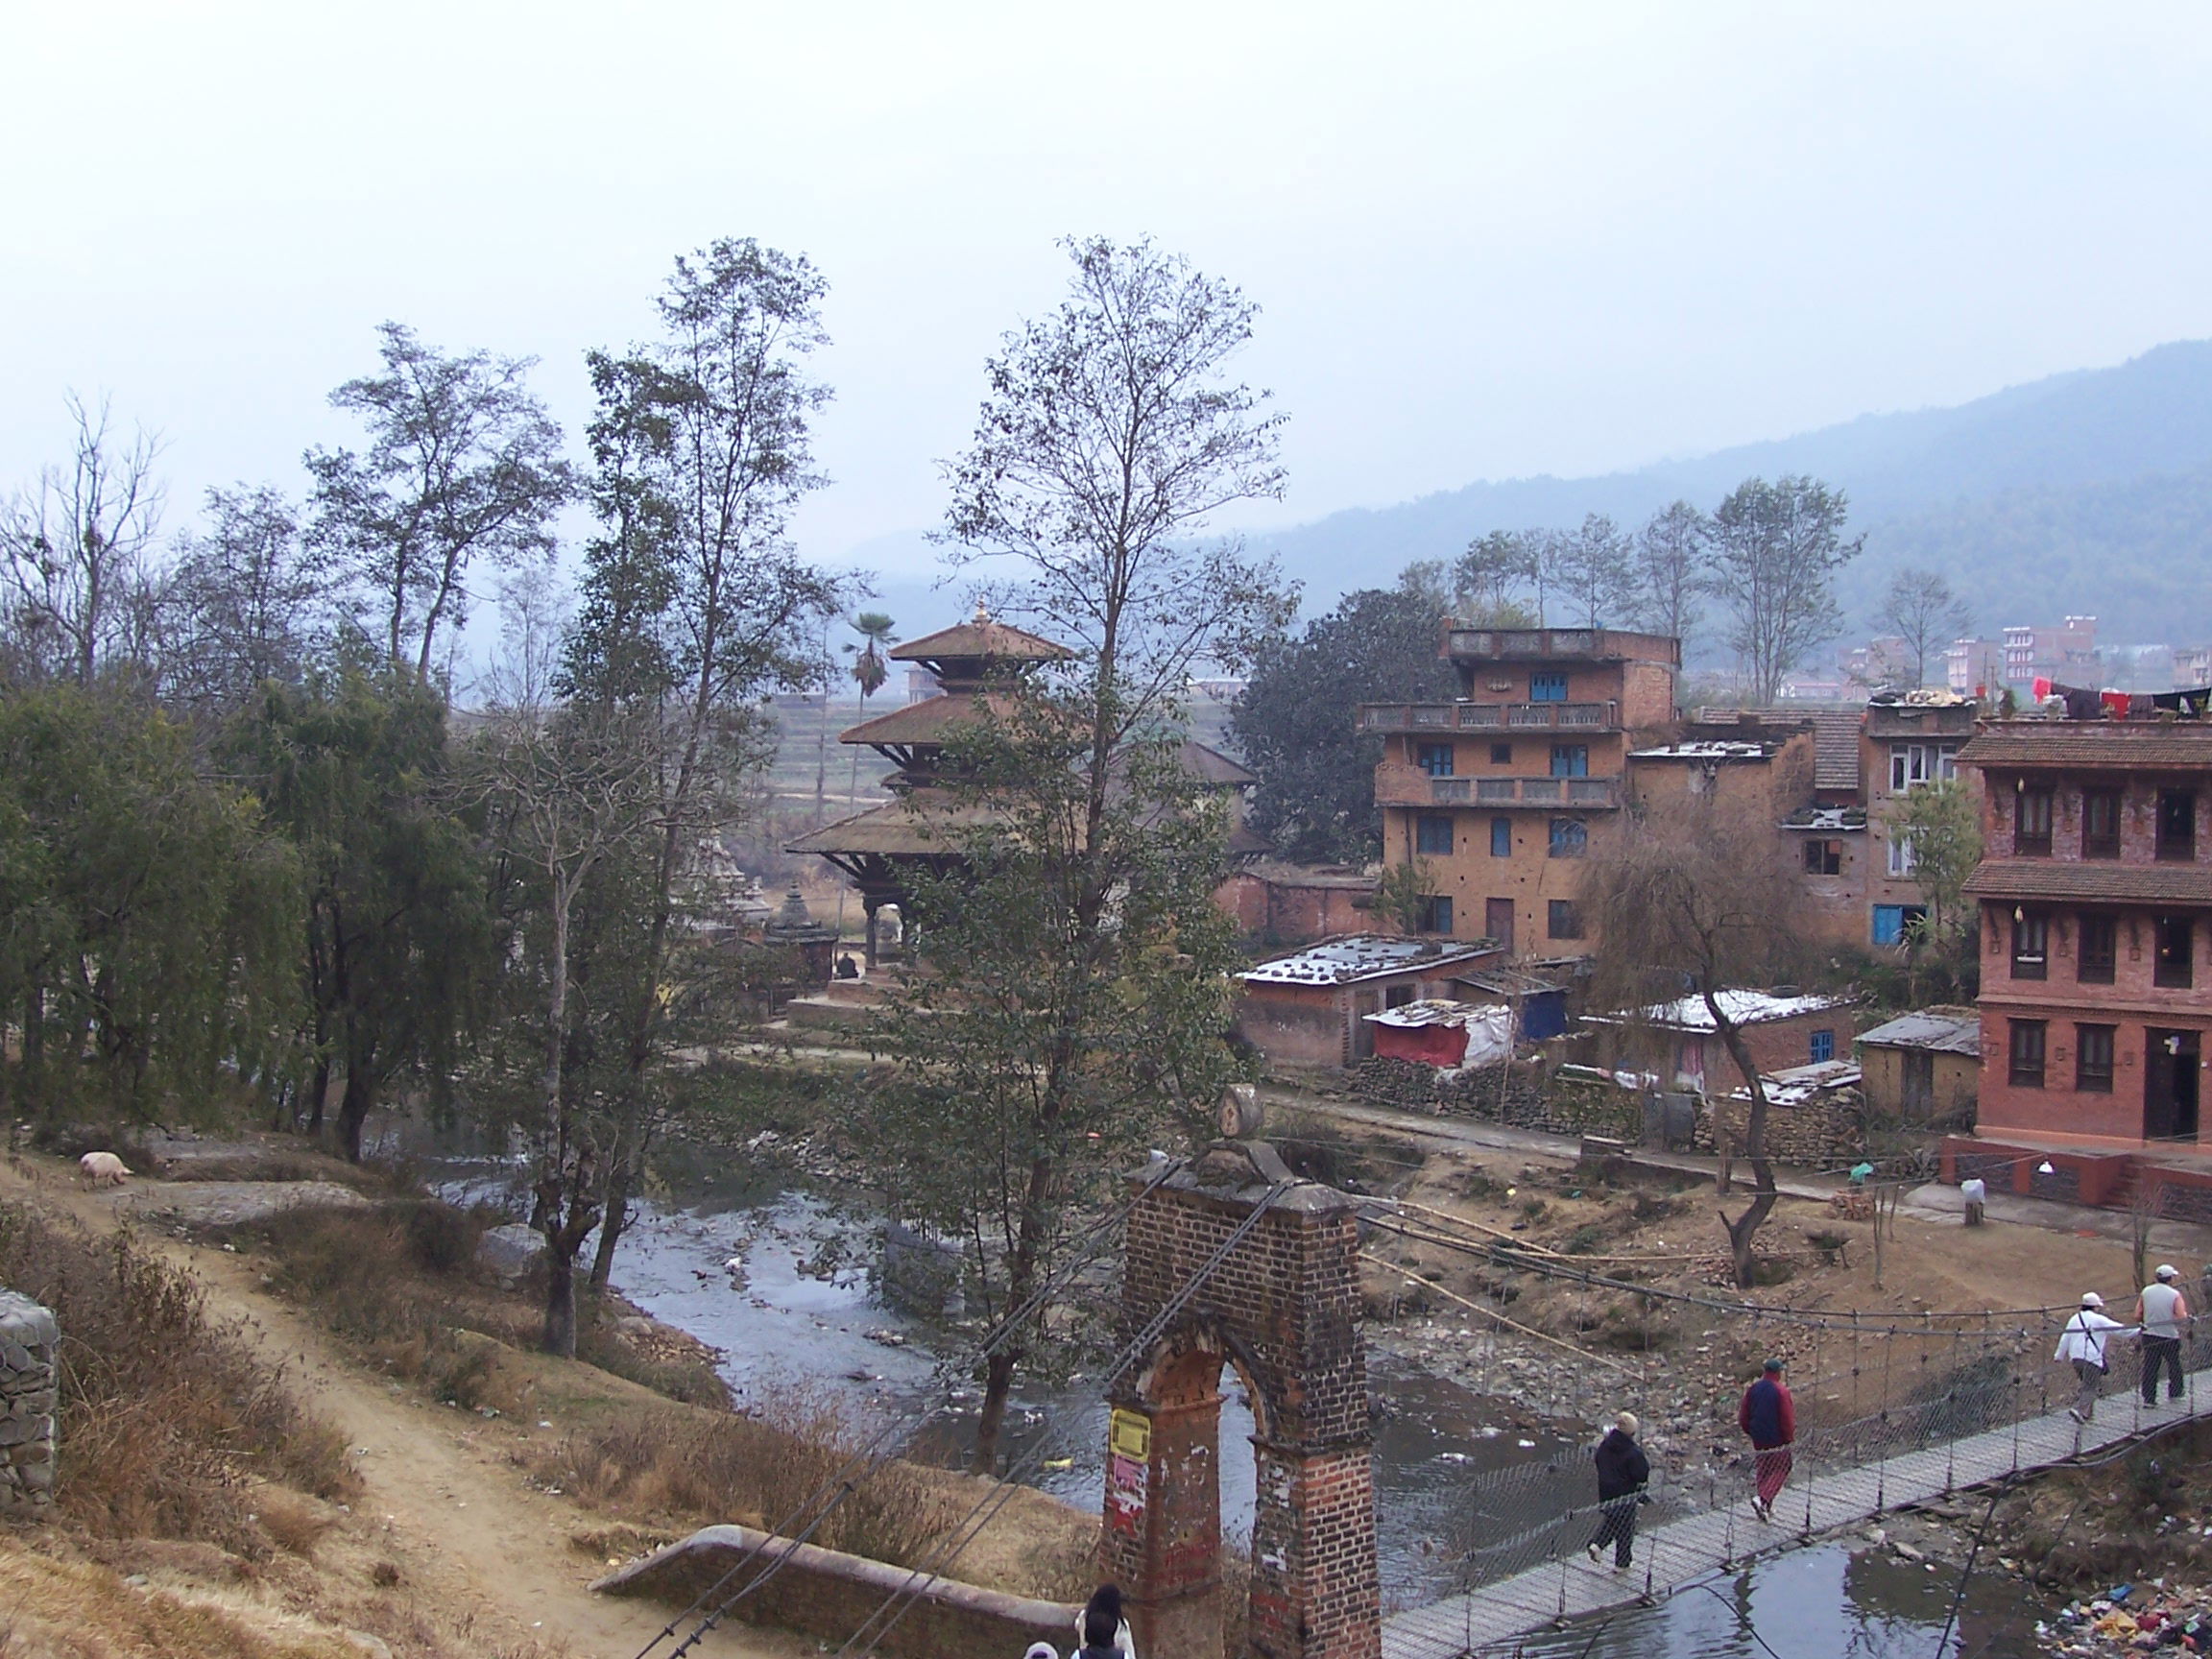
[
  {"x": 166, "y": 1418},
  {"x": 402, "y": 1283},
  {"x": 660, "y": 1474},
  {"x": 57, "y": 1609}
]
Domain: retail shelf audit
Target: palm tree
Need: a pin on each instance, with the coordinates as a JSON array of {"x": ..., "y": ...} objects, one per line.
[{"x": 870, "y": 670}]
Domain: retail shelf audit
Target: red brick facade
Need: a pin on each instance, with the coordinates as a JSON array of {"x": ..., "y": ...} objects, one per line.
[
  {"x": 1284, "y": 1310},
  {"x": 2096, "y": 936}
]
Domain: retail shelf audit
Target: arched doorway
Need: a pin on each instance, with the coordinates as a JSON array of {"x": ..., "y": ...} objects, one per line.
[{"x": 1282, "y": 1309}]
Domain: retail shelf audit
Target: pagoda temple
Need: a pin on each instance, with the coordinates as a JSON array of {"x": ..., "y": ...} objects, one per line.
[{"x": 920, "y": 827}]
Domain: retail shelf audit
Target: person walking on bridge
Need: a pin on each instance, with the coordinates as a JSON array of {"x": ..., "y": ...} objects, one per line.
[
  {"x": 1769, "y": 1417},
  {"x": 2084, "y": 1343},
  {"x": 2163, "y": 1313},
  {"x": 1623, "y": 1470}
]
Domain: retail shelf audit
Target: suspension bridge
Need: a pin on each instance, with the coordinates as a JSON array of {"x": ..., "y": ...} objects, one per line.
[{"x": 1909, "y": 1454}]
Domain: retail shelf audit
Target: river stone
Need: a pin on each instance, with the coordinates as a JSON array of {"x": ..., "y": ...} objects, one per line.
[{"x": 511, "y": 1251}]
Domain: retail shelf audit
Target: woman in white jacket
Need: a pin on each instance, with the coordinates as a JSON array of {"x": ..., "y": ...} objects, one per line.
[{"x": 2087, "y": 1341}]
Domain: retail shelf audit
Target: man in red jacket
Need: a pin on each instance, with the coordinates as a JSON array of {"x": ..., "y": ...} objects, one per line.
[{"x": 1769, "y": 1417}]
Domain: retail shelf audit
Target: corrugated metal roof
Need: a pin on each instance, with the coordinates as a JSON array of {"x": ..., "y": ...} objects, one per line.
[
  {"x": 1361, "y": 957},
  {"x": 1948, "y": 1033},
  {"x": 2066, "y": 879},
  {"x": 1743, "y": 1007},
  {"x": 2091, "y": 744}
]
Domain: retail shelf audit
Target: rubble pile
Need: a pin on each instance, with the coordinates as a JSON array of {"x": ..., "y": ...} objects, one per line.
[{"x": 2133, "y": 1618}]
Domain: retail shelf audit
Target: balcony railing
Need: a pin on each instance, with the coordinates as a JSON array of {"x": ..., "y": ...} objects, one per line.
[
  {"x": 1490, "y": 716},
  {"x": 1411, "y": 787}
]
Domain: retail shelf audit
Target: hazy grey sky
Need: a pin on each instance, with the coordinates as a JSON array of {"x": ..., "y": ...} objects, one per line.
[{"x": 1488, "y": 240}]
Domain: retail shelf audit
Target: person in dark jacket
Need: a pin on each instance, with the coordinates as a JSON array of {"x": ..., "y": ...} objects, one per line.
[
  {"x": 1623, "y": 1470},
  {"x": 1769, "y": 1417}
]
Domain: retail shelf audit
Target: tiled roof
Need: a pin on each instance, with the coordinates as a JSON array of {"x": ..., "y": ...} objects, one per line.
[
  {"x": 2054, "y": 879},
  {"x": 1835, "y": 748},
  {"x": 920, "y": 822},
  {"x": 2091, "y": 743},
  {"x": 981, "y": 639}
]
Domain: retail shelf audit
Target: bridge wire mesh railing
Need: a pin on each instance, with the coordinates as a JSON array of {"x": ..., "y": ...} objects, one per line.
[{"x": 1890, "y": 1409}]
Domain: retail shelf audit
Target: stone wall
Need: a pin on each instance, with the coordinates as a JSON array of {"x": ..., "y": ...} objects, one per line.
[
  {"x": 1556, "y": 1102},
  {"x": 1825, "y": 1131},
  {"x": 28, "y": 1337}
]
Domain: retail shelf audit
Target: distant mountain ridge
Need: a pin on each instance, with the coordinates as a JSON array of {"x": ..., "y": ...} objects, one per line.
[{"x": 2087, "y": 492}]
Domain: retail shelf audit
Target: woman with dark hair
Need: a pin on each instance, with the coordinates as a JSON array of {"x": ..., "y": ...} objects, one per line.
[{"x": 1102, "y": 1630}]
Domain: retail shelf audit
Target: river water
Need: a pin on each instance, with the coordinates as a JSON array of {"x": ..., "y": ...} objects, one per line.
[{"x": 778, "y": 1274}]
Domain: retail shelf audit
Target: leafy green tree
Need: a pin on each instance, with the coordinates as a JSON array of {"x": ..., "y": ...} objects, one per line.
[
  {"x": 1078, "y": 981},
  {"x": 1297, "y": 720},
  {"x": 149, "y": 915},
  {"x": 353, "y": 765},
  {"x": 694, "y": 605},
  {"x": 1940, "y": 826},
  {"x": 1777, "y": 549},
  {"x": 565, "y": 790},
  {"x": 463, "y": 465}
]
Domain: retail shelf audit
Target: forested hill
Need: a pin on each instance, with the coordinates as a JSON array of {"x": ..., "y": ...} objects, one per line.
[{"x": 2090, "y": 491}]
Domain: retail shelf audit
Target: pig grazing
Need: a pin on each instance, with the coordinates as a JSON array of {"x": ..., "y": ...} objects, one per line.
[{"x": 104, "y": 1169}]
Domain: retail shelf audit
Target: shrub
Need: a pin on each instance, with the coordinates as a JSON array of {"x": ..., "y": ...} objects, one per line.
[{"x": 162, "y": 1410}]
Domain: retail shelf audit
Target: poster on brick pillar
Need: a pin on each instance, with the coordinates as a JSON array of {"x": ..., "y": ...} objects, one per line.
[{"x": 1128, "y": 1453}]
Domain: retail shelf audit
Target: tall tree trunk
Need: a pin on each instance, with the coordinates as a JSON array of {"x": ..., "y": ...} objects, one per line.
[
  {"x": 355, "y": 1106},
  {"x": 1020, "y": 1279},
  {"x": 1744, "y": 1230}
]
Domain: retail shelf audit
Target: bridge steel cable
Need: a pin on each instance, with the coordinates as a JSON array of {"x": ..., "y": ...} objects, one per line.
[
  {"x": 894, "y": 1436},
  {"x": 895, "y": 1607}
]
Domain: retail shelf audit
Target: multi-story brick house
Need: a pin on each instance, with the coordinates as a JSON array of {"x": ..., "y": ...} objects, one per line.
[
  {"x": 2066, "y": 652},
  {"x": 1908, "y": 746},
  {"x": 2096, "y": 929},
  {"x": 1500, "y": 795}
]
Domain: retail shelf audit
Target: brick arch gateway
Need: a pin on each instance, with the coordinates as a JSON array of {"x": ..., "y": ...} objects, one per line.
[{"x": 1282, "y": 1309}]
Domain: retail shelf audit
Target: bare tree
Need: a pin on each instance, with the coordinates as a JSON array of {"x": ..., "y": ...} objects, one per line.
[
  {"x": 1777, "y": 549},
  {"x": 238, "y": 607},
  {"x": 74, "y": 546},
  {"x": 1919, "y": 607},
  {"x": 1592, "y": 570},
  {"x": 1691, "y": 898},
  {"x": 1673, "y": 557},
  {"x": 463, "y": 464}
]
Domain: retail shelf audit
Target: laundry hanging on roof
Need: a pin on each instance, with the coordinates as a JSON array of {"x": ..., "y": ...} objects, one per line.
[
  {"x": 2116, "y": 703},
  {"x": 2194, "y": 702}
]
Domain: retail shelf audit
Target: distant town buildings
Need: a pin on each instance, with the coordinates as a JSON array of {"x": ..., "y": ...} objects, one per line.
[
  {"x": 2067, "y": 652},
  {"x": 1973, "y": 667}
]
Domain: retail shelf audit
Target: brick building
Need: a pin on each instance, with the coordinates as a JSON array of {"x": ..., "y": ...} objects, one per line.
[
  {"x": 1500, "y": 793},
  {"x": 1280, "y": 904},
  {"x": 1309, "y": 1008},
  {"x": 1909, "y": 745},
  {"x": 2096, "y": 896},
  {"x": 1679, "y": 1039}
]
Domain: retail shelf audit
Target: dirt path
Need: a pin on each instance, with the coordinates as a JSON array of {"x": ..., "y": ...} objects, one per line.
[{"x": 444, "y": 1499}]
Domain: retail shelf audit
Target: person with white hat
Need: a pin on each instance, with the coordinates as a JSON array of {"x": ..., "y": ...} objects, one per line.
[
  {"x": 2084, "y": 1342},
  {"x": 2163, "y": 1313}
]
